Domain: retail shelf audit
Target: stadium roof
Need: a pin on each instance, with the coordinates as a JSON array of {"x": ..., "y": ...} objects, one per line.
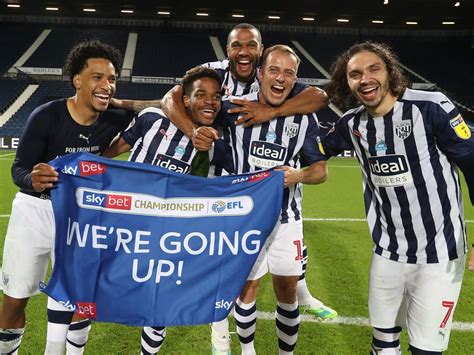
[{"x": 420, "y": 14}]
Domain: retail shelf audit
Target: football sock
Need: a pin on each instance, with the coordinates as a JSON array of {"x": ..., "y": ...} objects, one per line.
[
  {"x": 245, "y": 318},
  {"x": 77, "y": 337},
  {"x": 152, "y": 339},
  {"x": 287, "y": 324},
  {"x": 386, "y": 341},
  {"x": 10, "y": 340}
]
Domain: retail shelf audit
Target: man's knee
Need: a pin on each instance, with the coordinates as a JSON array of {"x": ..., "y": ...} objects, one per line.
[
  {"x": 249, "y": 291},
  {"x": 13, "y": 312},
  {"x": 285, "y": 288}
]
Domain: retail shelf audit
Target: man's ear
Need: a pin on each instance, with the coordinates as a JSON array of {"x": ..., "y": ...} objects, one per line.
[
  {"x": 76, "y": 81},
  {"x": 259, "y": 74},
  {"x": 186, "y": 101}
]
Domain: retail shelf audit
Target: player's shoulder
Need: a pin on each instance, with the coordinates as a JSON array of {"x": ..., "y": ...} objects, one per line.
[
  {"x": 429, "y": 98},
  {"x": 51, "y": 107},
  {"x": 152, "y": 112},
  {"x": 350, "y": 114}
]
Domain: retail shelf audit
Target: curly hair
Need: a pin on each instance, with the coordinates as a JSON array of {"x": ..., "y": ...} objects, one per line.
[
  {"x": 77, "y": 58},
  {"x": 338, "y": 88},
  {"x": 197, "y": 73}
]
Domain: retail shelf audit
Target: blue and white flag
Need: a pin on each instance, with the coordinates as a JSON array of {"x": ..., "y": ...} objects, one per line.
[{"x": 140, "y": 245}]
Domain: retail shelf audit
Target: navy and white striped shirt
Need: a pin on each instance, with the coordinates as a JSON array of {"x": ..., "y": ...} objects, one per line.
[
  {"x": 155, "y": 140},
  {"x": 281, "y": 141},
  {"x": 412, "y": 194},
  {"x": 231, "y": 86}
]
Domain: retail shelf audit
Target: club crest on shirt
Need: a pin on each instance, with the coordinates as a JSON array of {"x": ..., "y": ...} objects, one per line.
[
  {"x": 460, "y": 127},
  {"x": 5, "y": 278},
  {"x": 403, "y": 129},
  {"x": 291, "y": 129}
]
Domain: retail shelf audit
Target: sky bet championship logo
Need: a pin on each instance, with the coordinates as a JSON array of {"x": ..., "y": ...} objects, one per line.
[{"x": 149, "y": 205}]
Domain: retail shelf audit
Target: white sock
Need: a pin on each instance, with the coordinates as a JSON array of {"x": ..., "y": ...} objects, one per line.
[
  {"x": 77, "y": 337},
  {"x": 59, "y": 318},
  {"x": 245, "y": 317},
  {"x": 10, "y": 340}
]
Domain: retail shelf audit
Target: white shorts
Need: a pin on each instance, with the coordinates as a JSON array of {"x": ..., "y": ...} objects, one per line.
[
  {"x": 28, "y": 245},
  {"x": 421, "y": 298},
  {"x": 282, "y": 252}
]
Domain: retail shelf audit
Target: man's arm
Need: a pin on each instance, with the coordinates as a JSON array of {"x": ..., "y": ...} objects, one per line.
[
  {"x": 135, "y": 105},
  {"x": 118, "y": 147},
  {"x": 316, "y": 173},
  {"x": 307, "y": 101}
]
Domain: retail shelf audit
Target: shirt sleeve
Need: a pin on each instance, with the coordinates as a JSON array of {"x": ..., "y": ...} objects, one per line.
[
  {"x": 32, "y": 148},
  {"x": 137, "y": 128},
  {"x": 312, "y": 150},
  {"x": 455, "y": 139},
  {"x": 338, "y": 139}
]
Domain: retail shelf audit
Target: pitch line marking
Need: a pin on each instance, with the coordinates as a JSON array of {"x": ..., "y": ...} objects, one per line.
[
  {"x": 359, "y": 321},
  {"x": 351, "y": 220},
  {"x": 6, "y": 155}
]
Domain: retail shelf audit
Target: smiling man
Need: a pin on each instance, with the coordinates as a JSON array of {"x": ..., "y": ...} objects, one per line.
[
  {"x": 407, "y": 143},
  {"x": 155, "y": 140},
  {"x": 78, "y": 123},
  {"x": 281, "y": 142}
]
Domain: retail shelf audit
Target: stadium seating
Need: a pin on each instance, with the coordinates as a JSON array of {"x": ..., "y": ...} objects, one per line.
[{"x": 167, "y": 52}]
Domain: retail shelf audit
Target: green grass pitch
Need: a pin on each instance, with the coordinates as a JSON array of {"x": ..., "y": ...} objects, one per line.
[{"x": 339, "y": 254}]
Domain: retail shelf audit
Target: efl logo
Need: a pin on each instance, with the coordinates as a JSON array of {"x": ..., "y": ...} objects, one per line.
[
  {"x": 111, "y": 201},
  {"x": 88, "y": 168},
  {"x": 86, "y": 309}
]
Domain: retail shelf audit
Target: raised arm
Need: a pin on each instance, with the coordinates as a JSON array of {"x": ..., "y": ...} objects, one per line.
[
  {"x": 311, "y": 99},
  {"x": 135, "y": 105}
]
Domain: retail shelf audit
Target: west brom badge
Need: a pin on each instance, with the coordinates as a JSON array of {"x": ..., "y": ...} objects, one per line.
[{"x": 403, "y": 129}]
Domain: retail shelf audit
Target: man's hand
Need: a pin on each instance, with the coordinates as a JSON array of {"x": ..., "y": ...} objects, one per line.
[
  {"x": 203, "y": 137},
  {"x": 254, "y": 112},
  {"x": 292, "y": 175},
  {"x": 43, "y": 176}
]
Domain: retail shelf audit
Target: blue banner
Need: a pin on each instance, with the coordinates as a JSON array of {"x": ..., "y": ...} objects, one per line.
[{"x": 140, "y": 245}]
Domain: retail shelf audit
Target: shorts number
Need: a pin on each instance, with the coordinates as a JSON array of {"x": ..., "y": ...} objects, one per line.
[
  {"x": 299, "y": 253},
  {"x": 449, "y": 305}
]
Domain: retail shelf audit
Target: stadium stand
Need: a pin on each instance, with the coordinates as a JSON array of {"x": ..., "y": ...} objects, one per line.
[{"x": 162, "y": 55}]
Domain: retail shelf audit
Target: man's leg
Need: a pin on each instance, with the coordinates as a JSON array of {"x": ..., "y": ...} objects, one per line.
[
  {"x": 152, "y": 339},
  {"x": 308, "y": 303},
  {"x": 59, "y": 319},
  {"x": 386, "y": 304},
  {"x": 433, "y": 292},
  {"x": 287, "y": 313},
  {"x": 77, "y": 336},
  {"x": 12, "y": 324},
  {"x": 26, "y": 253},
  {"x": 245, "y": 313},
  {"x": 220, "y": 337}
]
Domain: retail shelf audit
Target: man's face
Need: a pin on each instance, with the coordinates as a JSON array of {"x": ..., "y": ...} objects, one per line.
[
  {"x": 277, "y": 77},
  {"x": 95, "y": 84},
  {"x": 244, "y": 51},
  {"x": 367, "y": 78},
  {"x": 204, "y": 101}
]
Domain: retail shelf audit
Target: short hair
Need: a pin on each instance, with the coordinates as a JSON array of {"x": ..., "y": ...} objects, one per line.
[
  {"x": 195, "y": 74},
  {"x": 77, "y": 58},
  {"x": 246, "y": 26},
  {"x": 338, "y": 87},
  {"x": 280, "y": 48}
]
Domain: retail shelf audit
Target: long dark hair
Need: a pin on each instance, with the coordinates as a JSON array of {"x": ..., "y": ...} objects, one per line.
[{"x": 338, "y": 89}]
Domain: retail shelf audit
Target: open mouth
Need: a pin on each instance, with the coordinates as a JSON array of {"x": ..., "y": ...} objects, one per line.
[
  {"x": 278, "y": 90},
  {"x": 208, "y": 112},
  {"x": 104, "y": 98},
  {"x": 244, "y": 65},
  {"x": 368, "y": 93}
]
